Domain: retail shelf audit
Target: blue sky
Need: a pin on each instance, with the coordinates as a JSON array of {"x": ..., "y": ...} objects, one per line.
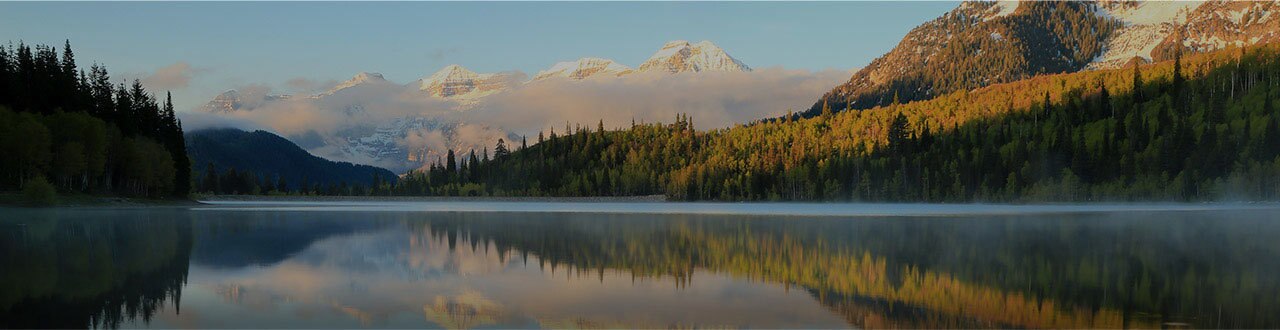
[{"x": 229, "y": 44}]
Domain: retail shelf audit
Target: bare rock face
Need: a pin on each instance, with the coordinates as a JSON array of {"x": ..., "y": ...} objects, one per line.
[
  {"x": 583, "y": 68},
  {"x": 1220, "y": 24},
  {"x": 681, "y": 56},
  {"x": 458, "y": 83}
]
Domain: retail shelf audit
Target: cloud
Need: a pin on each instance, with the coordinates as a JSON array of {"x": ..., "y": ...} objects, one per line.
[
  {"x": 172, "y": 77},
  {"x": 712, "y": 99}
]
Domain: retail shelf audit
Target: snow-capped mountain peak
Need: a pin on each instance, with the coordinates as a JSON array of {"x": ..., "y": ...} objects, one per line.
[
  {"x": 457, "y": 82},
  {"x": 583, "y": 68},
  {"x": 682, "y": 56},
  {"x": 359, "y": 79}
]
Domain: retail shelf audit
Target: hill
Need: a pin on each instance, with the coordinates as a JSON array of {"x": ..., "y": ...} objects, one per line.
[{"x": 269, "y": 160}]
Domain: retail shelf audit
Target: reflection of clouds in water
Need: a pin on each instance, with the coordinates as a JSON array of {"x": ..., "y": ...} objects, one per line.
[
  {"x": 464, "y": 311},
  {"x": 380, "y": 278}
]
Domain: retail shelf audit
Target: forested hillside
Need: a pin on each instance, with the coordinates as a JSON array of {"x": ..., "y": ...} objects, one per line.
[
  {"x": 83, "y": 133},
  {"x": 231, "y": 161},
  {"x": 1197, "y": 128}
]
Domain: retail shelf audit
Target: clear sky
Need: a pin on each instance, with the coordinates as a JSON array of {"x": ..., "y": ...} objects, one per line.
[{"x": 229, "y": 44}]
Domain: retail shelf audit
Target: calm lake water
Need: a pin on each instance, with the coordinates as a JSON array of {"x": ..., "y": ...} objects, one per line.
[{"x": 640, "y": 265}]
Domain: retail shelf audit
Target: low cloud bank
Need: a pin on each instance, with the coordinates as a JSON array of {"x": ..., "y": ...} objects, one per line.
[{"x": 712, "y": 99}]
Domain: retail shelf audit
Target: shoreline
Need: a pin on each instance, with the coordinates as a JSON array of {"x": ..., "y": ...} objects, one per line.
[
  {"x": 261, "y": 198},
  {"x": 16, "y": 200}
]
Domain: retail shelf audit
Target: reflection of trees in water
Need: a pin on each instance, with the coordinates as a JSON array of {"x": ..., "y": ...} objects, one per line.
[
  {"x": 82, "y": 269},
  {"x": 1140, "y": 270}
]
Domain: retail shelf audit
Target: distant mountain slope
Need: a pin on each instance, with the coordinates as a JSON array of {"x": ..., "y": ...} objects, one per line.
[
  {"x": 272, "y": 156},
  {"x": 974, "y": 45}
]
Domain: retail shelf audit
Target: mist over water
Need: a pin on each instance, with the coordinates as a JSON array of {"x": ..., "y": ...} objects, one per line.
[{"x": 526, "y": 265}]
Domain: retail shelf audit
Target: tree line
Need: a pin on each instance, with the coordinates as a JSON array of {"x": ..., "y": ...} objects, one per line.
[
  {"x": 1197, "y": 128},
  {"x": 246, "y": 182},
  {"x": 83, "y": 133}
]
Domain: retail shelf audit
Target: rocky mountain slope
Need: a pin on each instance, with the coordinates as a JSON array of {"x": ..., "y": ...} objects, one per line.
[
  {"x": 974, "y": 45},
  {"x": 984, "y": 42}
]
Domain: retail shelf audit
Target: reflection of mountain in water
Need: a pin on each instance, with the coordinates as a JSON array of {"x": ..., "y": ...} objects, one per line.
[
  {"x": 239, "y": 239},
  {"x": 1134, "y": 270},
  {"x": 90, "y": 268}
]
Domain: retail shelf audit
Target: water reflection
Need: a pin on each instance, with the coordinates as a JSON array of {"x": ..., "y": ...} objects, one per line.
[
  {"x": 232, "y": 269},
  {"x": 77, "y": 269}
]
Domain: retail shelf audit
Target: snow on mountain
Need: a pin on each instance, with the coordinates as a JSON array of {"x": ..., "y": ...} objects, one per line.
[
  {"x": 1006, "y": 7},
  {"x": 681, "y": 56},
  {"x": 457, "y": 83},
  {"x": 583, "y": 68},
  {"x": 1220, "y": 24},
  {"x": 360, "y": 79},
  {"x": 1146, "y": 25},
  {"x": 411, "y": 141},
  {"x": 1155, "y": 29}
]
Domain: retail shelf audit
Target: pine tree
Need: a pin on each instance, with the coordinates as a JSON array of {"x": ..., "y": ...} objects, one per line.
[
  {"x": 451, "y": 163},
  {"x": 500, "y": 150},
  {"x": 176, "y": 143}
]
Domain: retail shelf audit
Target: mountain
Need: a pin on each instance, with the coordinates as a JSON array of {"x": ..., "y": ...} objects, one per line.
[
  {"x": 394, "y": 126},
  {"x": 458, "y": 83},
  {"x": 271, "y": 156},
  {"x": 974, "y": 45},
  {"x": 1145, "y": 26},
  {"x": 1221, "y": 24},
  {"x": 1200, "y": 127},
  {"x": 360, "y": 79},
  {"x": 583, "y": 68},
  {"x": 681, "y": 56},
  {"x": 983, "y": 42},
  {"x": 233, "y": 100}
]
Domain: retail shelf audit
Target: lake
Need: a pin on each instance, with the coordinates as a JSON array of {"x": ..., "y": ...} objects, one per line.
[{"x": 640, "y": 265}]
